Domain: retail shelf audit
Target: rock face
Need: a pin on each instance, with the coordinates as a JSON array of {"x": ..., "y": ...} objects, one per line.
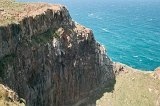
[
  {"x": 157, "y": 73},
  {"x": 50, "y": 60}
]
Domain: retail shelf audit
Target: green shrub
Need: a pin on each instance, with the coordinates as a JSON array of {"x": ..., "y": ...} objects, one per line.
[{"x": 44, "y": 37}]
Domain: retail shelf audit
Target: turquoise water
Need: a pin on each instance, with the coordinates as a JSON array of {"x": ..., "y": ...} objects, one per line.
[{"x": 129, "y": 29}]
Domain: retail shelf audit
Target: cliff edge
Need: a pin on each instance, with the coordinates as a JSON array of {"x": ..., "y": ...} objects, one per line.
[{"x": 47, "y": 58}]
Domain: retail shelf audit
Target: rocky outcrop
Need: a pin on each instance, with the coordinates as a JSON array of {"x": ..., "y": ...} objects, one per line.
[
  {"x": 156, "y": 73},
  {"x": 50, "y": 60},
  {"x": 9, "y": 97}
]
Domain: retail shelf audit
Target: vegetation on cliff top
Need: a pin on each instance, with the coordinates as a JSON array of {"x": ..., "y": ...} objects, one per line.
[
  {"x": 13, "y": 12},
  {"x": 133, "y": 88},
  {"x": 9, "y": 10}
]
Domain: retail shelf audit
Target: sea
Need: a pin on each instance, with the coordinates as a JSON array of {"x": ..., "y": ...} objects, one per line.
[{"x": 129, "y": 29}]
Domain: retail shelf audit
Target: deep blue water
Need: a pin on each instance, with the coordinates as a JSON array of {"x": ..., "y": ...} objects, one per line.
[{"x": 129, "y": 29}]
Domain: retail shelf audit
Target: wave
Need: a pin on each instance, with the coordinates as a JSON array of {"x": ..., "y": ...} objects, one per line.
[
  {"x": 153, "y": 59},
  {"x": 93, "y": 15},
  {"x": 97, "y": 17},
  {"x": 90, "y": 14},
  {"x": 135, "y": 56},
  {"x": 105, "y": 29}
]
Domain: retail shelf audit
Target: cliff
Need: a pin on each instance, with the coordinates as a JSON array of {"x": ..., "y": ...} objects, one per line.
[{"x": 49, "y": 59}]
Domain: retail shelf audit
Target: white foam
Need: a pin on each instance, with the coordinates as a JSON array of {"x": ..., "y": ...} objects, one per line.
[
  {"x": 150, "y": 19},
  {"x": 76, "y": 14},
  {"x": 98, "y": 18},
  {"x": 135, "y": 56},
  {"x": 90, "y": 14},
  {"x": 106, "y": 30}
]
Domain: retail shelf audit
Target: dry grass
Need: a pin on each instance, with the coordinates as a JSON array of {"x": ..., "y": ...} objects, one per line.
[
  {"x": 13, "y": 12},
  {"x": 4, "y": 97},
  {"x": 133, "y": 89},
  {"x": 9, "y": 10}
]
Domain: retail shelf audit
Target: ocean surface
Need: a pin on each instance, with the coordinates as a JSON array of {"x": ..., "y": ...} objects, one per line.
[{"x": 129, "y": 29}]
